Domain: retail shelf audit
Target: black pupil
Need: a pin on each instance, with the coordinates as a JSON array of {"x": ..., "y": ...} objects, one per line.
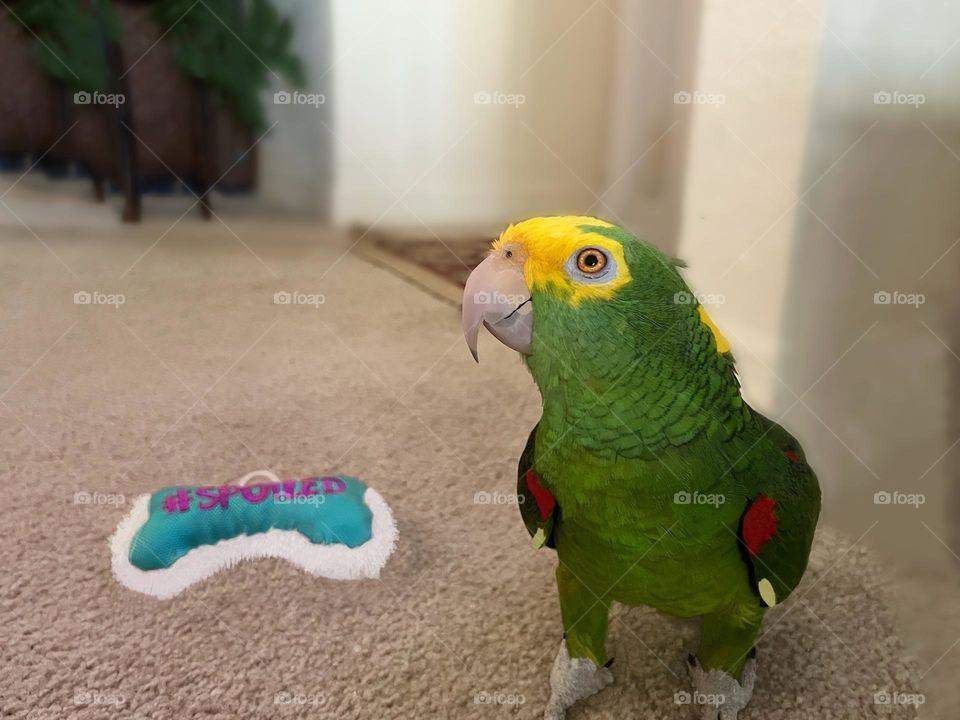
[{"x": 591, "y": 260}]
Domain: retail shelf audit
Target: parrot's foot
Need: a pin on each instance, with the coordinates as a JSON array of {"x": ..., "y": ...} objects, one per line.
[
  {"x": 573, "y": 679},
  {"x": 719, "y": 695}
]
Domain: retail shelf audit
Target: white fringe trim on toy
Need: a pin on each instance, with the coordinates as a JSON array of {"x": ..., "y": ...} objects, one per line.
[{"x": 337, "y": 562}]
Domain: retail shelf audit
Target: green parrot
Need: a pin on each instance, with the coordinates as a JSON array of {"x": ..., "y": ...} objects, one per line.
[{"x": 648, "y": 473}]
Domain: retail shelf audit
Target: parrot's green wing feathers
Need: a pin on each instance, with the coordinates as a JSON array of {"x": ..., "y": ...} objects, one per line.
[
  {"x": 537, "y": 506},
  {"x": 778, "y": 522}
]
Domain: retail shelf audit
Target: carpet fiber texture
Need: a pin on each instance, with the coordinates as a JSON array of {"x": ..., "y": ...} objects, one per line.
[{"x": 202, "y": 374}]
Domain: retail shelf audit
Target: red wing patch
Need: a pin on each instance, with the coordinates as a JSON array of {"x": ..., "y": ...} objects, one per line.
[
  {"x": 545, "y": 500},
  {"x": 792, "y": 456},
  {"x": 759, "y": 523}
]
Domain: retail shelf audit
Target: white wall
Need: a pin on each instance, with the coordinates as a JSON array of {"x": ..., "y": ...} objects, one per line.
[
  {"x": 878, "y": 185},
  {"x": 295, "y": 156},
  {"x": 656, "y": 56},
  {"x": 887, "y": 222},
  {"x": 592, "y": 131},
  {"x": 885, "y": 418},
  {"x": 743, "y": 172},
  {"x": 408, "y": 123}
]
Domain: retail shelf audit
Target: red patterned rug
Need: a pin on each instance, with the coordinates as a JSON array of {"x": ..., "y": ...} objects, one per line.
[{"x": 440, "y": 263}]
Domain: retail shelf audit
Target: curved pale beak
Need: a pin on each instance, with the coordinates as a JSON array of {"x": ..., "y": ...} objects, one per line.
[{"x": 497, "y": 296}]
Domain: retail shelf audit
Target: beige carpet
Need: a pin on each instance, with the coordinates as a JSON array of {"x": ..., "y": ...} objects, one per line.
[{"x": 199, "y": 377}]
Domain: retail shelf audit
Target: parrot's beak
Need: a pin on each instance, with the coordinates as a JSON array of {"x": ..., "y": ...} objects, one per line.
[{"x": 497, "y": 296}]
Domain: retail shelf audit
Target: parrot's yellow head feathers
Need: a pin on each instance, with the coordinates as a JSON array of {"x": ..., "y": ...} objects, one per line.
[
  {"x": 577, "y": 284},
  {"x": 566, "y": 256}
]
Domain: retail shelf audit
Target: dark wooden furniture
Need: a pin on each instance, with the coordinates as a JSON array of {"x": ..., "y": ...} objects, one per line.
[{"x": 167, "y": 131}]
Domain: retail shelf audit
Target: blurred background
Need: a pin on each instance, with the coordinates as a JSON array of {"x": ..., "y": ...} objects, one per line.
[{"x": 802, "y": 156}]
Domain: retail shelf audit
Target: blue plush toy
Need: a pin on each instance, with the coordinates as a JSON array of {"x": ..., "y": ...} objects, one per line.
[{"x": 332, "y": 526}]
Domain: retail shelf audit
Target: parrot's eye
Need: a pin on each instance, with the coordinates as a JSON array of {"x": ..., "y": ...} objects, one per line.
[
  {"x": 591, "y": 265},
  {"x": 591, "y": 261}
]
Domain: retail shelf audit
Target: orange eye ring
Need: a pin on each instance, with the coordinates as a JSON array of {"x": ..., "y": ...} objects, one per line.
[{"x": 591, "y": 261}]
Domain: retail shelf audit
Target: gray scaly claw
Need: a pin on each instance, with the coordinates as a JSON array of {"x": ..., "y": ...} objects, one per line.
[
  {"x": 719, "y": 695},
  {"x": 573, "y": 679}
]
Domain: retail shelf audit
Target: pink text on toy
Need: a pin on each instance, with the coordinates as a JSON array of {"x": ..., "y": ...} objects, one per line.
[{"x": 209, "y": 497}]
